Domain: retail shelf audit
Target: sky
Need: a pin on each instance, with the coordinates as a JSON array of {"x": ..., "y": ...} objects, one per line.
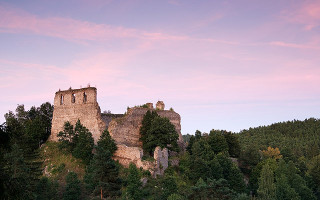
[{"x": 220, "y": 64}]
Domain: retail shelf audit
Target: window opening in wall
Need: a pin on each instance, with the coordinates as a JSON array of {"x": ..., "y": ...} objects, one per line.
[
  {"x": 61, "y": 99},
  {"x": 73, "y": 98},
  {"x": 84, "y": 97}
]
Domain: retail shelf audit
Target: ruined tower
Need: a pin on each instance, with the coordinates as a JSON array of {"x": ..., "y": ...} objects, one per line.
[
  {"x": 160, "y": 105},
  {"x": 73, "y": 104}
]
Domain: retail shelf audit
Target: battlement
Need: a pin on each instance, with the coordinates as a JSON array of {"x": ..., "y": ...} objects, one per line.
[{"x": 75, "y": 96}]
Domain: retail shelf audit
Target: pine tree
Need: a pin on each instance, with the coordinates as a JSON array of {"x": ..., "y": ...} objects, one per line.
[
  {"x": 83, "y": 144},
  {"x": 134, "y": 186},
  {"x": 217, "y": 142},
  {"x": 233, "y": 144},
  {"x": 213, "y": 189},
  {"x": 103, "y": 175},
  {"x": 18, "y": 183},
  {"x": 284, "y": 191},
  {"x": 145, "y": 127},
  {"x": 46, "y": 189},
  {"x": 190, "y": 144},
  {"x": 267, "y": 189},
  {"x": 73, "y": 190},
  {"x": 162, "y": 133},
  {"x": 66, "y": 136},
  {"x": 107, "y": 142}
]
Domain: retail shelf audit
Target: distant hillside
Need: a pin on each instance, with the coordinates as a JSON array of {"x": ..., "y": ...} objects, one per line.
[{"x": 293, "y": 138}]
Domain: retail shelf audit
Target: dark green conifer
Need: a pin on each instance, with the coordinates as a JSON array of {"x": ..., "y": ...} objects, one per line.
[{"x": 73, "y": 189}]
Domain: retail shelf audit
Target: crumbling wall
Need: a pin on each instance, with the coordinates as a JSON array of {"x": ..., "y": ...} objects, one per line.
[
  {"x": 126, "y": 130},
  {"x": 73, "y": 104},
  {"x": 126, "y": 155},
  {"x": 108, "y": 117},
  {"x": 126, "y": 133},
  {"x": 161, "y": 160}
]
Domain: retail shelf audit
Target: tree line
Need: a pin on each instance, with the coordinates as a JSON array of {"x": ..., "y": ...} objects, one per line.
[{"x": 280, "y": 161}]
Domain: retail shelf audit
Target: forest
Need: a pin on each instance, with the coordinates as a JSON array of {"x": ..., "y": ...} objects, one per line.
[{"x": 280, "y": 161}]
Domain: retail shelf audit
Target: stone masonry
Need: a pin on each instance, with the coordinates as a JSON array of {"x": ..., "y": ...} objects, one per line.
[{"x": 73, "y": 104}]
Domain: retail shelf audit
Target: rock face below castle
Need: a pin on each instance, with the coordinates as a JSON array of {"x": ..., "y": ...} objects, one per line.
[{"x": 71, "y": 105}]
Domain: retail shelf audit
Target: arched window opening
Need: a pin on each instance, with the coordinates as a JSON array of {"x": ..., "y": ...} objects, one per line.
[
  {"x": 84, "y": 97},
  {"x": 73, "y": 98},
  {"x": 61, "y": 99}
]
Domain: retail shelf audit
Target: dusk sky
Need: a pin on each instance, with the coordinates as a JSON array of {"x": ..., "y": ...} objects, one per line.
[{"x": 220, "y": 64}]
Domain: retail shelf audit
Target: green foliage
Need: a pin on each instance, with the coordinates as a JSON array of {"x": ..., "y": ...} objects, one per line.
[
  {"x": 145, "y": 127},
  {"x": 17, "y": 183},
  {"x": 283, "y": 189},
  {"x": 175, "y": 196},
  {"x": 59, "y": 162},
  {"x": 298, "y": 138},
  {"x": 242, "y": 196},
  {"x": 102, "y": 175},
  {"x": 289, "y": 179},
  {"x": 267, "y": 188},
  {"x": 192, "y": 140},
  {"x": 66, "y": 136},
  {"x": 231, "y": 173},
  {"x": 186, "y": 138},
  {"x": 314, "y": 169},
  {"x": 217, "y": 141},
  {"x": 29, "y": 129},
  {"x": 134, "y": 186},
  {"x": 205, "y": 171},
  {"x": 107, "y": 142},
  {"x": 169, "y": 186},
  {"x": 46, "y": 189},
  {"x": 157, "y": 131},
  {"x": 233, "y": 144},
  {"x": 83, "y": 144},
  {"x": 250, "y": 156},
  {"x": 77, "y": 140},
  {"x": 190, "y": 144},
  {"x": 314, "y": 172},
  {"x": 20, "y": 162},
  {"x": 73, "y": 190},
  {"x": 212, "y": 189}
]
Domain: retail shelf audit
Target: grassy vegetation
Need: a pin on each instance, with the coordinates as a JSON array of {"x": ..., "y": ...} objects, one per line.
[{"x": 57, "y": 163}]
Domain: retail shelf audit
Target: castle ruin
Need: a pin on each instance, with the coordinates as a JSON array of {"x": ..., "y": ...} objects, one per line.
[{"x": 73, "y": 104}]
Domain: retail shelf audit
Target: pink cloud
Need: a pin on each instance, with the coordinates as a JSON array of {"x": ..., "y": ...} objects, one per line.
[
  {"x": 293, "y": 45},
  {"x": 19, "y": 21},
  {"x": 307, "y": 13}
]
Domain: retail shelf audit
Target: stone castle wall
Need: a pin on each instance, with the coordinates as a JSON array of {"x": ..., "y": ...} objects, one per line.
[
  {"x": 126, "y": 130},
  {"x": 81, "y": 104},
  {"x": 71, "y": 105}
]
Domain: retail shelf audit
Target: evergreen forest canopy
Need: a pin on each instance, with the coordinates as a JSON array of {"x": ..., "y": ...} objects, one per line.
[{"x": 280, "y": 161}]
